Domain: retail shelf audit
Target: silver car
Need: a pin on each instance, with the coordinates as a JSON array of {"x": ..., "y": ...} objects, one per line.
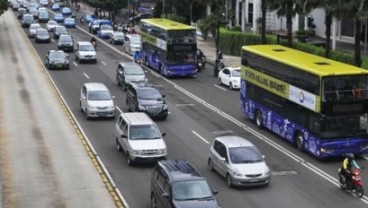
[
  {"x": 96, "y": 101},
  {"x": 32, "y": 29},
  {"x": 239, "y": 161},
  {"x": 51, "y": 24}
]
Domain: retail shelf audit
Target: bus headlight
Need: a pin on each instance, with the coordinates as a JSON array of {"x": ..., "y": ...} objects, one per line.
[{"x": 324, "y": 150}]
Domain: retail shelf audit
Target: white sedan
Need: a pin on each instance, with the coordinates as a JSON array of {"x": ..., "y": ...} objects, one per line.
[
  {"x": 51, "y": 24},
  {"x": 230, "y": 76}
]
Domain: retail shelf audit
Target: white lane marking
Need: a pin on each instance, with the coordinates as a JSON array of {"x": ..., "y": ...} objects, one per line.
[
  {"x": 53, "y": 40},
  {"x": 119, "y": 109},
  {"x": 184, "y": 104},
  {"x": 230, "y": 118},
  {"x": 85, "y": 75},
  {"x": 365, "y": 158},
  {"x": 199, "y": 136},
  {"x": 221, "y": 88},
  {"x": 155, "y": 74},
  {"x": 75, "y": 64},
  {"x": 103, "y": 63},
  {"x": 223, "y": 132}
]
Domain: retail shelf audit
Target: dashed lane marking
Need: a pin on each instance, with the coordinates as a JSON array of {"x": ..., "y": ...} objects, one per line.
[
  {"x": 103, "y": 63},
  {"x": 75, "y": 64},
  {"x": 221, "y": 88},
  {"x": 284, "y": 173},
  {"x": 222, "y": 132},
  {"x": 199, "y": 136},
  {"x": 53, "y": 40},
  {"x": 184, "y": 105},
  {"x": 86, "y": 75}
]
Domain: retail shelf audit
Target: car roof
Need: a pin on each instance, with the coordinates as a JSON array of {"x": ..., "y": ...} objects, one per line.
[
  {"x": 232, "y": 68},
  {"x": 128, "y": 63},
  {"x": 56, "y": 51},
  {"x": 118, "y": 33},
  {"x": 137, "y": 118},
  {"x": 95, "y": 86},
  {"x": 35, "y": 24},
  {"x": 133, "y": 36},
  {"x": 84, "y": 43},
  {"x": 180, "y": 170},
  {"x": 234, "y": 141}
]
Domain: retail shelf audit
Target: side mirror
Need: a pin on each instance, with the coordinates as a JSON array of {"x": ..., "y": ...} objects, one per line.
[
  {"x": 166, "y": 195},
  {"x": 215, "y": 192},
  {"x": 113, "y": 97},
  {"x": 263, "y": 156},
  {"x": 163, "y": 134},
  {"x": 67, "y": 55},
  {"x": 163, "y": 95},
  {"x": 123, "y": 136},
  {"x": 222, "y": 159}
]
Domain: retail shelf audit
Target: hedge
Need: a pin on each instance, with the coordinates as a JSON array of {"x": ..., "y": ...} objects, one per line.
[{"x": 231, "y": 42}]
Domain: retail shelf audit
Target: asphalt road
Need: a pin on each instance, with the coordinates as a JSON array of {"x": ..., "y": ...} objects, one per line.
[{"x": 199, "y": 110}]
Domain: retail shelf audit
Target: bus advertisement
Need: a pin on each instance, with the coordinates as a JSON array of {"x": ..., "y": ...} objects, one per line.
[
  {"x": 169, "y": 47},
  {"x": 317, "y": 104}
]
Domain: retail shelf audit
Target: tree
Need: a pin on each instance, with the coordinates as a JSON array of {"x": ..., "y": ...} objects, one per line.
[{"x": 3, "y": 6}]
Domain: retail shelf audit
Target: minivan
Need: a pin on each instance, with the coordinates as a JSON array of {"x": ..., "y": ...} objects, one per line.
[
  {"x": 139, "y": 138},
  {"x": 27, "y": 20},
  {"x": 132, "y": 43}
]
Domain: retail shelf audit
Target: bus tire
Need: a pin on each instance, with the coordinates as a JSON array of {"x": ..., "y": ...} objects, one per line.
[
  {"x": 299, "y": 141},
  {"x": 259, "y": 119},
  {"x": 146, "y": 62},
  {"x": 160, "y": 70}
]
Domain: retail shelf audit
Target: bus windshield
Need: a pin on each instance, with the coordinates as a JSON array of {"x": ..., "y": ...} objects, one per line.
[
  {"x": 181, "y": 57},
  {"x": 182, "y": 36},
  {"x": 345, "y": 88},
  {"x": 344, "y": 126}
]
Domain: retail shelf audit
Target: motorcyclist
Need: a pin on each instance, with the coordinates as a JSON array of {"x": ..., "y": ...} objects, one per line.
[
  {"x": 93, "y": 41},
  {"x": 137, "y": 56},
  {"x": 347, "y": 166}
]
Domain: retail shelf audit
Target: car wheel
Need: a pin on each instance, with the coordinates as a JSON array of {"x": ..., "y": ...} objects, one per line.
[
  {"x": 129, "y": 160},
  {"x": 80, "y": 105},
  {"x": 219, "y": 81},
  {"x": 299, "y": 141},
  {"x": 229, "y": 180},
  {"x": 160, "y": 70},
  {"x": 87, "y": 116},
  {"x": 118, "y": 147},
  {"x": 210, "y": 165},
  {"x": 259, "y": 119},
  {"x": 231, "y": 86},
  {"x": 76, "y": 57},
  {"x": 117, "y": 81},
  {"x": 124, "y": 86},
  {"x": 153, "y": 202}
]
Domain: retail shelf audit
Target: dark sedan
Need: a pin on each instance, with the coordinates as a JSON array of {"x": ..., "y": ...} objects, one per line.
[
  {"x": 42, "y": 36},
  {"x": 66, "y": 43},
  {"x": 57, "y": 59}
]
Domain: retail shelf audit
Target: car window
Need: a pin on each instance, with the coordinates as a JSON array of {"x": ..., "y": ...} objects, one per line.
[
  {"x": 99, "y": 95},
  {"x": 235, "y": 73},
  {"x": 191, "y": 190},
  {"x": 144, "y": 132},
  {"x": 149, "y": 94},
  {"x": 86, "y": 48},
  {"x": 106, "y": 27},
  {"x": 42, "y": 32},
  {"x": 241, "y": 155},
  {"x": 135, "y": 40},
  {"x": 65, "y": 38},
  {"x": 134, "y": 70},
  {"x": 220, "y": 149},
  {"x": 57, "y": 55},
  {"x": 34, "y": 27}
]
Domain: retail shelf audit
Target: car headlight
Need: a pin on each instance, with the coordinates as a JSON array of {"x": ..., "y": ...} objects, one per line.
[
  {"x": 267, "y": 171},
  {"x": 236, "y": 172},
  {"x": 91, "y": 107},
  {"x": 66, "y": 62},
  {"x": 112, "y": 107},
  {"x": 141, "y": 107},
  {"x": 164, "y": 107},
  {"x": 235, "y": 80},
  {"x": 137, "y": 152},
  {"x": 162, "y": 151}
]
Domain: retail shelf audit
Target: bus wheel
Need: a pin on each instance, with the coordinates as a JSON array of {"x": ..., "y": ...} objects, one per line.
[
  {"x": 259, "y": 119},
  {"x": 146, "y": 62},
  {"x": 160, "y": 70},
  {"x": 299, "y": 141}
]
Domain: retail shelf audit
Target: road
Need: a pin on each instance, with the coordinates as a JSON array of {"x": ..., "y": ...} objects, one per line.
[{"x": 199, "y": 111}]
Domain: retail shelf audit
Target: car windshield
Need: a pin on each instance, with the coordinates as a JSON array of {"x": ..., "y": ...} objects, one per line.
[
  {"x": 144, "y": 132},
  {"x": 60, "y": 30},
  {"x": 134, "y": 70},
  {"x": 42, "y": 32},
  {"x": 235, "y": 73},
  {"x": 149, "y": 94},
  {"x": 248, "y": 154},
  {"x": 65, "y": 38},
  {"x": 119, "y": 35},
  {"x": 70, "y": 20},
  {"x": 52, "y": 23},
  {"x": 35, "y": 27},
  {"x": 99, "y": 95},
  {"x": 106, "y": 27},
  {"x": 135, "y": 40},
  {"x": 191, "y": 190},
  {"x": 57, "y": 55},
  {"x": 86, "y": 48}
]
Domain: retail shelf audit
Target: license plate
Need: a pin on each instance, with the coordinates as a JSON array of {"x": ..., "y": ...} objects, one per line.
[
  {"x": 253, "y": 180},
  {"x": 101, "y": 114},
  {"x": 59, "y": 65}
]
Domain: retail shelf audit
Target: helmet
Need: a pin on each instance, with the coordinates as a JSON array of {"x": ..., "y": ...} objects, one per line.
[{"x": 350, "y": 155}]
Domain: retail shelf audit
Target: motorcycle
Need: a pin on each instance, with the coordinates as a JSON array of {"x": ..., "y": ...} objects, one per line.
[
  {"x": 138, "y": 61},
  {"x": 355, "y": 186},
  {"x": 201, "y": 64},
  {"x": 219, "y": 65},
  {"x": 94, "y": 44}
]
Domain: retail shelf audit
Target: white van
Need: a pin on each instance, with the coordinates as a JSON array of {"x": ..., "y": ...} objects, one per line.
[
  {"x": 132, "y": 43},
  {"x": 139, "y": 138}
]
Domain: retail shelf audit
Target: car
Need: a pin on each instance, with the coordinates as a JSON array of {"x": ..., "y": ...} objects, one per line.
[
  {"x": 59, "y": 18},
  {"x": 42, "y": 36},
  {"x": 69, "y": 22},
  {"x": 66, "y": 11},
  {"x": 117, "y": 38},
  {"x": 34, "y": 12},
  {"x": 238, "y": 161},
  {"x": 40, "y": 9},
  {"x": 44, "y": 2},
  {"x": 136, "y": 19},
  {"x": 66, "y": 43},
  {"x": 43, "y": 16},
  {"x": 96, "y": 101},
  {"x": 89, "y": 18},
  {"x": 57, "y": 59},
  {"x": 21, "y": 12},
  {"x": 15, "y": 6},
  {"x": 51, "y": 24},
  {"x": 132, "y": 43},
  {"x": 143, "y": 97},
  {"x": 94, "y": 26},
  {"x": 55, "y": 7},
  {"x": 85, "y": 52},
  {"x": 105, "y": 31},
  {"x": 32, "y": 29},
  {"x": 139, "y": 138},
  {"x": 59, "y": 30},
  {"x": 177, "y": 183},
  {"x": 128, "y": 72},
  {"x": 230, "y": 76},
  {"x": 27, "y": 20}
]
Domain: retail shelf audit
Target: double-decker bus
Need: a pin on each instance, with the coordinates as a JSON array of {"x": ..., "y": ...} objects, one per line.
[
  {"x": 169, "y": 47},
  {"x": 318, "y": 104}
]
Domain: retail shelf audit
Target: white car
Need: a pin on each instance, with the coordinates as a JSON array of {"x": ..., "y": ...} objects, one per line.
[
  {"x": 117, "y": 38},
  {"x": 44, "y": 2},
  {"x": 132, "y": 43},
  {"x": 85, "y": 52},
  {"x": 51, "y": 24},
  {"x": 238, "y": 161},
  {"x": 230, "y": 76},
  {"x": 32, "y": 29},
  {"x": 96, "y": 101}
]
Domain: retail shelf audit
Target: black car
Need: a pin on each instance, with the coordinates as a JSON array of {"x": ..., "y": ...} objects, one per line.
[
  {"x": 177, "y": 183},
  {"x": 128, "y": 72},
  {"x": 143, "y": 97},
  {"x": 66, "y": 43},
  {"x": 57, "y": 59},
  {"x": 42, "y": 36},
  {"x": 59, "y": 30}
]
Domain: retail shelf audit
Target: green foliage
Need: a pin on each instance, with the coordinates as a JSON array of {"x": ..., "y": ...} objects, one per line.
[
  {"x": 302, "y": 32},
  {"x": 365, "y": 63},
  {"x": 3, "y": 6},
  {"x": 236, "y": 28},
  {"x": 174, "y": 17}
]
